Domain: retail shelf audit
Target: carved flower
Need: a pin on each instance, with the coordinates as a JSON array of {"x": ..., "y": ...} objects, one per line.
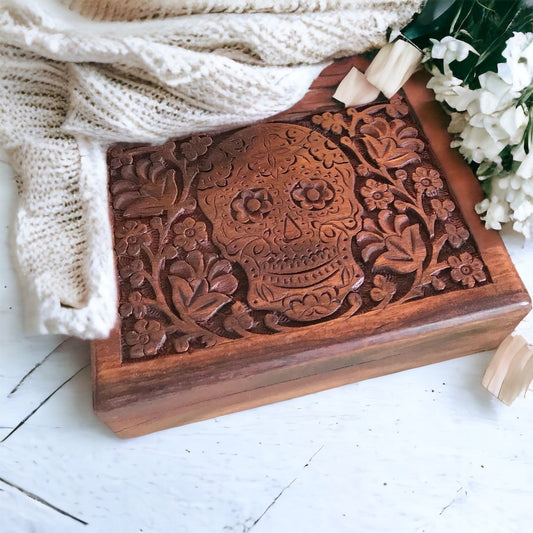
[
  {"x": 391, "y": 144},
  {"x": 131, "y": 236},
  {"x": 466, "y": 269},
  {"x": 330, "y": 121},
  {"x": 442, "y": 209},
  {"x": 377, "y": 195},
  {"x": 396, "y": 107},
  {"x": 201, "y": 284},
  {"x": 456, "y": 236},
  {"x": 119, "y": 159},
  {"x": 383, "y": 288},
  {"x": 198, "y": 266},
  {"x": 146, "y": 188},
  {"x": 327, "y": 152},
  {"x": 399, "y": 245},
  {"x": 240, "y": 318},
  {"x": 251, "y": 205},
  {"x": 312, "y": 306},
  {"x": 196, "y": 146},
  {"x": 146, "y": 338},
  {"x": 233, "y": 146},
  {"x": 134, "y": 271},
  {"x": 189, "y": 233},
  {"x": 214, "y": 169},
  {"x": 427, "y": 180},
  {"x": 134, "y": 306},
  {"x": 312, "y": 193}
]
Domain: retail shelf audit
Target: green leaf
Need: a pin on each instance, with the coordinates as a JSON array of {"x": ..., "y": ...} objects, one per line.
[{"x": 434, "y": 17}]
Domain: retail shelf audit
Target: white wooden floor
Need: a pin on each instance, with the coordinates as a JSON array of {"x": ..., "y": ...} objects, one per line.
[{"x": 426, "y": 450}]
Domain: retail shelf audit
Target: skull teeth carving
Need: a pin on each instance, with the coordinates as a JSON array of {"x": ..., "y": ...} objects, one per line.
[{"x": 286, "y": 217}]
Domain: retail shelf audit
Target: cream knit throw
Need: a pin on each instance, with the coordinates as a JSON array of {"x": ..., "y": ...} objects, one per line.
[{"x": 77, "y": 75}]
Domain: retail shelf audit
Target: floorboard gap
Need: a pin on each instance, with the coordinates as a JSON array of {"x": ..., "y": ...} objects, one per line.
[
  {"x": 44, "y": 502},
  {"x": 29, "y": 373},
  {"x": 22, "y": 422}
]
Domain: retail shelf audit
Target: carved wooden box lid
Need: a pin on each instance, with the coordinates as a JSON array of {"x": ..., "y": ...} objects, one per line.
[{"x": 238, "y": 246}]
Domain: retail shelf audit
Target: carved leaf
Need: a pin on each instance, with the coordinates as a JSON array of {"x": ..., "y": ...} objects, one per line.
[
  {"x": 370, "y": 244},
  {"x": 155, "y": 197},
  {"x": 201, "y": 287},
  {"x": 370, "y": 225},
  {"x": 204, "y": 307},
  {"x": 400, "y": 223},
  {"x": 388, "y": 153},
  {"x": 386, "y": 220},
  {"x": 371, "y": 249},
  {"x": 405, "y": 253},
  {"x": 144, "y": 207},
  {"x": 226, "y": 284},
  {"x": 123, "y": 199},
  {"x": 196, "y": 260},
  {"x": 128, "y": 173},
  {"x": 122, "y": 186},
  {"x": 223, "y": 266},
  {"x": 182, "y": 292}
]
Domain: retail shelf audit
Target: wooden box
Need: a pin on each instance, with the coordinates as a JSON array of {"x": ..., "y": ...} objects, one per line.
[{"x": 315, "y": 249}]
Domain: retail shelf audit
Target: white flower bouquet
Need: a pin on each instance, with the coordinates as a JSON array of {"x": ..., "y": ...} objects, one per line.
[{"x": 480, "y": 56}]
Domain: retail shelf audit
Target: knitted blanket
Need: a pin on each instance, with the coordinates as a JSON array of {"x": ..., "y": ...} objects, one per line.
[{"x": 77, "y": 75}]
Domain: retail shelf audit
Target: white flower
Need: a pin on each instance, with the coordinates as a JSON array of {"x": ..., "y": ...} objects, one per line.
[
  {"x": 514, "y": 122},
  {"x": 476, "y": 144},
  {"x": 511, "y": 199},
  {"x": 450, "y": 49},
  {"x": 448, "y": 88},
  {"x": 525, "y": 170},
  {"x": 461, "y": 98},
  {"x": 524, "y": 227},
  {"x": 488, "y": 120},
  {"x": 497, "y": 92},
  {"x": 442, "y": 84},
  {"x": 519, "y": 152},
  {"x": 496, "y": 212},
  {"x": 524, "y": 209},
  {"x": 522, "y": 205},
  {"x": 517, "y": 71},
  {"x": 506, "y": 126}
]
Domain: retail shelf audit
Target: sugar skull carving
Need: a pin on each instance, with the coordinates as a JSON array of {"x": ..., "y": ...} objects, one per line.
[{"x": 281, "y": 201}]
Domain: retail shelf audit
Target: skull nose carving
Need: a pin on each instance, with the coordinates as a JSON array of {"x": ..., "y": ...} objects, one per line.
[{"x": 291, "y": 230}]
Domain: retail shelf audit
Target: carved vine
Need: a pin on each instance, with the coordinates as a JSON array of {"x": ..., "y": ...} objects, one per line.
[
  {"x": 158, "y": 243},
  {"x": 400, "y": 239}
]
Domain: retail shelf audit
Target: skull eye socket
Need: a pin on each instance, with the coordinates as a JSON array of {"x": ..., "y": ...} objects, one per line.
[
  {"x": 251, "y": 205},
  {"x": 312, "y": 194}
]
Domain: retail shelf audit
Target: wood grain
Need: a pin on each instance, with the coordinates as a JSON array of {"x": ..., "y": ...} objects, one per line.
[{"x": 200, "y": 336}]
